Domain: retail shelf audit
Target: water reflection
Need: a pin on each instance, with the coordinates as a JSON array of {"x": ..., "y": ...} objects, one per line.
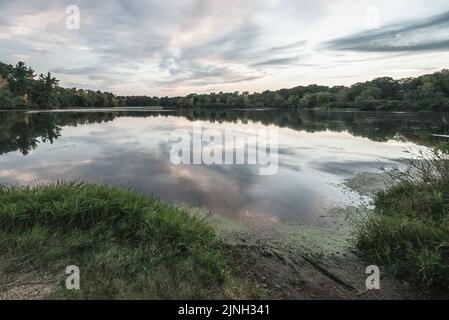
[{"x": 317, "y": 151}]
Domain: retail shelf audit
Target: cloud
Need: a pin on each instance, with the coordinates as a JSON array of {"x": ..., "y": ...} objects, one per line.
[
  {"x": 194, "y": 43},
  {"x": 177, "y": 47},
  {"x": 277, "y": 62},
  {"x": 430, "y": 34},
  {"x": 291, "y": 46}
]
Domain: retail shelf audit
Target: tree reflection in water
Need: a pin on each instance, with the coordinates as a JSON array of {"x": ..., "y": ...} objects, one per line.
[{"x": 22, "y": 131}]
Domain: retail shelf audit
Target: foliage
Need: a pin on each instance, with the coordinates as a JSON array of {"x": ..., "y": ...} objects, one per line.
[
  {"x": 425, "y": 93},
  {"x": 126, "y": 244},
  {"x": 21, "y": 79},
  {"x": 409, "y": 231},
  {"x": 429, "y": 92},
  {"x": 23, "y": 90},
  {"x": 7, "y": 99}
]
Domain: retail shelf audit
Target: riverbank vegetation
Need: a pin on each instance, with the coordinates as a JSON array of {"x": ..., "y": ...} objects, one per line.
[
  {"x": 19, "y": 88},
  {"x": 409, "y": 230},
  {"x": 126, "y": 245}
]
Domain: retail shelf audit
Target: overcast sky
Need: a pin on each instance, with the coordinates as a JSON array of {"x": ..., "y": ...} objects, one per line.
[{"x": 168, "y": 47}]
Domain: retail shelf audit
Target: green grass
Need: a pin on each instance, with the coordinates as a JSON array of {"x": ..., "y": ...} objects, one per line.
[
  {"x": 126, "y": 245},
  {"x": 409, "y": 231}
]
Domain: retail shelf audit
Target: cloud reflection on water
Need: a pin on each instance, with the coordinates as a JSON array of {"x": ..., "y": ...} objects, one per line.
[{"x": 135, "y": 152}]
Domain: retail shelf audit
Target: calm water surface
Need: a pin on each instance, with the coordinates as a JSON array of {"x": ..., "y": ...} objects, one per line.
[{"x": 318, "y": 150}]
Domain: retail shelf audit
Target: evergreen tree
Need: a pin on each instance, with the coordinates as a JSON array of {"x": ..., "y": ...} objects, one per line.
[{"x": 20, "y": 79}]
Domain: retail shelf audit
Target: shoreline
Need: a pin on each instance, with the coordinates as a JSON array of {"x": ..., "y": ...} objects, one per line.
[{"x": 290, "y": 261}]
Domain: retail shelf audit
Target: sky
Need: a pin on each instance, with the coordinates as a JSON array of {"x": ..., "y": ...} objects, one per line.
[{"x": 173, "y": 47}]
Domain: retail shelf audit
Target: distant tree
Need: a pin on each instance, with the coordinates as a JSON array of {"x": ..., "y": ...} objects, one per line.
[
  {"x": 441, "y": 81},
  {"x": 7, "y": 100},
  {"x": 20, "y": 79},
  {"x": 3, "y": 82},
  {"x": 278, "y": 101},
  {"x": 368, "y": 98},
  {"x": 5, "y": 70},
  {"x": 388, "y": 86},
  {"x": 44, "y": 91}
]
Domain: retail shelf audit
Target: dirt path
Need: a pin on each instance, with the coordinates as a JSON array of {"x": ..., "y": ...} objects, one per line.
[
  {"x": 301, "y": 262},
  {"x": 283, "y": 278},
  {"x": 28, "y": 284}
]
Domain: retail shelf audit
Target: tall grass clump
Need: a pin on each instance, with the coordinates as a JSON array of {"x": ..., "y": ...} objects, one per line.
[
  {"x": 409, "y": 230},
  {"x": 126, "y": 245}
]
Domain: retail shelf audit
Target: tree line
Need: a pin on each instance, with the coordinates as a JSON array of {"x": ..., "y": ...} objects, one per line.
[
  {"x": 20, "y": 87},
  {"x": 428, "y": 92}
]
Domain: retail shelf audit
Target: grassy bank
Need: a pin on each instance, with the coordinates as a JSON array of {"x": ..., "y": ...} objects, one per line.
[
  {"x": 129, "y": 246},
  {"x": 409, "y": 231},
  {"x": 125, "y": 244}
]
